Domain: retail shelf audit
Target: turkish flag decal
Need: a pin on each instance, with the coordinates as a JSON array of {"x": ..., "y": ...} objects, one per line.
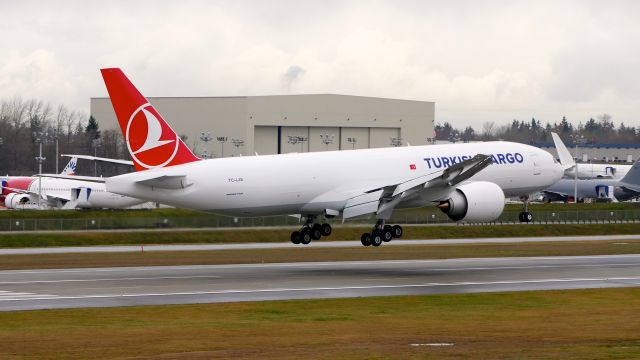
[{"x": 412, "y": 166}]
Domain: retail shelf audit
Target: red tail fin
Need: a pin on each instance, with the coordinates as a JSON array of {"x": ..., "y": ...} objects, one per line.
[{"x": 151, "y": 141}]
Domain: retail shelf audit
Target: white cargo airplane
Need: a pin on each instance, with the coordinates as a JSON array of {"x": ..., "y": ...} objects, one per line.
[
  {"x": 467, "y": 181},
  {"x": 63, "y": 191},
  {"x": 587, "y": 171}
]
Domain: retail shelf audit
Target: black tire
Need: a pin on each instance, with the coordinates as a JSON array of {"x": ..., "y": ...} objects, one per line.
[
  {"x": 521, "y": 216},
  {"x": 396, "y": 231},
  {"x": 376, "y": 238},
  {"x": 316, "y": 232},
  {"x": 295, "y": 237},
  {"x": 326, "y": 230},
  {"x": 386, "y": 227},
  {"x": 387, "y": 235},
  {"x": 305, "y": 236},
  {"x": 365, "y": 239},
  {"x": 528, "y": 217}
]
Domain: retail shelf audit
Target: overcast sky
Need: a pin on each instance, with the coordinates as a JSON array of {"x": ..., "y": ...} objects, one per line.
[{"x": 477, "y": 60}]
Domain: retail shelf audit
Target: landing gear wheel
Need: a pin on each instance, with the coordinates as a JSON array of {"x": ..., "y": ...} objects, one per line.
[
  {"x": 295, "y": 237},
  {"x": 326, "y": 230},
  {"x": 316, "y": 232},
  {"x": 387, "y": 227},
  {"x": 528, "y": 217},
  {"x": 376, "y": 238},
  {"x": 305, "y": 236},
  {"x": 365, "y": 239},
  {"x": 396, "y": 231},
  {"x": 386, "y": 234},
  {"x": 525, "y": 216}
]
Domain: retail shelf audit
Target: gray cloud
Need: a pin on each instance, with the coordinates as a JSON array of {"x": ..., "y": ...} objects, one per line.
[{"x": 493, "y": 61}]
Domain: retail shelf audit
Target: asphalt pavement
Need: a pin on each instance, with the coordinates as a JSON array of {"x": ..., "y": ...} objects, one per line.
[{"x": 100, "y": 287}]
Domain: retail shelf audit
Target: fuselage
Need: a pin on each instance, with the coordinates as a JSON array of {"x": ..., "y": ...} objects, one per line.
[
  {"x": 594, "y": 171},
  {"x": 96, "y": 197},
  {"x": 309, "y": 183}
]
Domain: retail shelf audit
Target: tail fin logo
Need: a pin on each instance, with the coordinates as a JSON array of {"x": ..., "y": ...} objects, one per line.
[{"x": 154, "y": 149}]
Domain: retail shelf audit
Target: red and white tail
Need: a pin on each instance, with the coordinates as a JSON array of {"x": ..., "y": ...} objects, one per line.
[{"x": 150, "y": 140}]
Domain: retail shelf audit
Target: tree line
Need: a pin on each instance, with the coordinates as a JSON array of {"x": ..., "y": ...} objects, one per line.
[
  {"x": 600, "y": 130},
  {"x": 24, "y": 123}
]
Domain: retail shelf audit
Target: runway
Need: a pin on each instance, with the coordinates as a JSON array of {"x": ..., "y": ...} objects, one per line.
[
  {"x": 101, "y": 287},
  {"x": 314, "y": 244}
]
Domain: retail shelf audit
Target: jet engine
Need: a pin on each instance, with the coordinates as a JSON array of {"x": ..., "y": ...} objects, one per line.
[
  {"x": 478, "y": 201},
  {"x": 18, "y": 201}
]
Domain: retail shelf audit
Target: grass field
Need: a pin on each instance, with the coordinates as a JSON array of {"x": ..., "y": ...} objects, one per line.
[
  {"x": 182, "y": 213},
  {"x": 573, "y": 324},
  {"x": 307, "y": 254},
  {"x": 25, "y": 239}
]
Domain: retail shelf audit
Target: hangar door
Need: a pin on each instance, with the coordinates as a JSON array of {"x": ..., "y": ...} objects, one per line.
[{"x": 381, "y": 137}]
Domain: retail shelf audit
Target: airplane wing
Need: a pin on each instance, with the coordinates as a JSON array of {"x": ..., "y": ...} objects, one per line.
[
  {"x": 45, "y": 196},
  {"x": 563, "y": 153},
  {"x": 96, "y": 158},
  {"x": 383, "y": 200}
]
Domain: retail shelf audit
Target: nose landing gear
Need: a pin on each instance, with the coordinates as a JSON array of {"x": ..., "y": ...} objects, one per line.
[{"x": 525, "y": 216}]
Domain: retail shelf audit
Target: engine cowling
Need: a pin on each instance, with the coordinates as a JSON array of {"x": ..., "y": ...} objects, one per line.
[
  {"x": 18, "y": 201},
  {"x": 478, "y": 201}
]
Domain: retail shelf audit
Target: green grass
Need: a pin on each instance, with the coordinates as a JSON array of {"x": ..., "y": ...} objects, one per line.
[
  {"x": 310, "y": 254},
  {"x": 26, "y": 239},
  {"x": 183, "y": 213},
  {"x": 573, "y": 324}
]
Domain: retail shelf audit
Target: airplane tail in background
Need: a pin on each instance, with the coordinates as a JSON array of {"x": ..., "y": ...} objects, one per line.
[
  {"x": 566, "y": 160},
  {"x": 632, "y": 179},
  {"x": 71, "y": 167},
  {"x": 152, "y": 143}
]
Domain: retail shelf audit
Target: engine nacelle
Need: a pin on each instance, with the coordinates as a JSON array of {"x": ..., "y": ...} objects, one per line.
[
  {"x": 19, "y": 201},
  {"x": 478, "y": 201}
]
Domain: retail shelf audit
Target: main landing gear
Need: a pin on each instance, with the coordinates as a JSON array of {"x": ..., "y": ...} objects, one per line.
[
  {"x": 525, "y": 216},
  {"x": 381, "y": 233},
  {"x": 310, "y": 231}
]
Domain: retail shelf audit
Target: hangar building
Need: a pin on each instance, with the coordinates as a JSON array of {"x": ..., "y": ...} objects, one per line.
[{"x": 281, "y": 124}]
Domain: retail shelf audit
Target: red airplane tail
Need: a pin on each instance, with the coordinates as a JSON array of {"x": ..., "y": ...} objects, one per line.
[{"x": 152, "y": 143}]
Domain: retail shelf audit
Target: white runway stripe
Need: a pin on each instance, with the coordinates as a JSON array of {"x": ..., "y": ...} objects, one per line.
[{"x": 14, "y": 296}]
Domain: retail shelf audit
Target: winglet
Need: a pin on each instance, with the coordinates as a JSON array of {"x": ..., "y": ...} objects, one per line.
[
  {"x": 152, "y": 143},
  {"x": 566, "y": 160}
]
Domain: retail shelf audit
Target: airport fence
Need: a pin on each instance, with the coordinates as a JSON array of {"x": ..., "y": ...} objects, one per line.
[{"x": 218, "y": 221}]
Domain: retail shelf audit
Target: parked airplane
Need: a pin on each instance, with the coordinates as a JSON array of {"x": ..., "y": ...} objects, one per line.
[
  {"x": 64, "y": 191},
  {"x": 460, "y": 179},
  {"x": 587, "y": 171},
  {"x": 623, "y": 189}
]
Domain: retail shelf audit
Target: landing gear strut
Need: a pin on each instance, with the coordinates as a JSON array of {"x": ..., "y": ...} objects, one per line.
[
  {"x": 310, "y": 231},
  {"x": 381, "y": 233},
  {"x": 525, "y": 216}
]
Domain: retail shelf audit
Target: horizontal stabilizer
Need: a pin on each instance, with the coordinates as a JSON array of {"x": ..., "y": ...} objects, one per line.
[{"x": 170, "y": 182}]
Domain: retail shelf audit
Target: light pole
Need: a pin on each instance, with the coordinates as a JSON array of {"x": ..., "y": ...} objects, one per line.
[
  {"x": 205, "y": 137},
  {"x": 395, "y": 142},
  {"x": 95, "y": 143},
  {"x": 577, "y": 140},
  {"x": 237, "y": 143},
  {"x": 55, "y": 136},
  {"x": 40, "y": 137},
  {"x": 222, "y": 140},
  {"x": 326, "y": 140},
  {"x": 352, "y": 141}
]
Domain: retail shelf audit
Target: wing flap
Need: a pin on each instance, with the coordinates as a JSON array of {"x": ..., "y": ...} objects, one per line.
[{"x": 366, "y": 203}]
